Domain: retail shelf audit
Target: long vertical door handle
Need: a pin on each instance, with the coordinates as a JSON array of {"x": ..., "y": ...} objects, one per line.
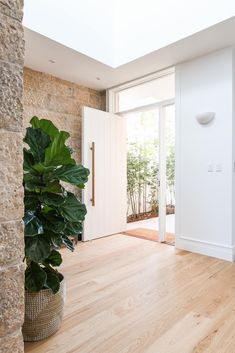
[{"x": 93, "y": 173}]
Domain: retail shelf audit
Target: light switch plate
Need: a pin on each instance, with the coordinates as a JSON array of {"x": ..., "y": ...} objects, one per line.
[
  {"x": 210, "y": 167},
  {"x": 218, "y": 167}
]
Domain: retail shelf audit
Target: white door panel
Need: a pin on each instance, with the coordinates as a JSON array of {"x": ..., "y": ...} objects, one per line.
[{"x": 108, "y": 132}]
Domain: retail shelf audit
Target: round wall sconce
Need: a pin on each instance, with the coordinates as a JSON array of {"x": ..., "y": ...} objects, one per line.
[{"x": 205, "y": 118}]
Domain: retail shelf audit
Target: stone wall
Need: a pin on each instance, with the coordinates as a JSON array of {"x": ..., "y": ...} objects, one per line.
[
  {"x": 11, "y": 191},
  {"x": 60, "y": 101}
]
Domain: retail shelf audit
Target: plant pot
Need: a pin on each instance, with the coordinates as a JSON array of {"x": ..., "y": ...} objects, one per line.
[{"x": 43, "y": 313}]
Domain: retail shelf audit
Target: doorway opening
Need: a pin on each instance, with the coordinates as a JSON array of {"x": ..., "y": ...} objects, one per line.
[
  {"x": 150, "y": 119},
  {"x": 150, "y": 165}
]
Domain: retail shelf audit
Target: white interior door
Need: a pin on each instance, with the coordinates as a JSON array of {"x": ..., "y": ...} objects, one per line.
[{"x": 104, "y": 154}]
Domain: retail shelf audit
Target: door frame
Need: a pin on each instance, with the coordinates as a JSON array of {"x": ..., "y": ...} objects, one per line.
[
  {"x": 162, "y": 169},
  {"x": 162, "y": 159}
]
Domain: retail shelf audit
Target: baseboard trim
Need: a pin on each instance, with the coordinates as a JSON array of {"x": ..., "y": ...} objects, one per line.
[{"x": 219, "y": 251}]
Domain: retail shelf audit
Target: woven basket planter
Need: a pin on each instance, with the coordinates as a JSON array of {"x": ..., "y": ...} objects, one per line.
[{"x": 43, "y": 313}]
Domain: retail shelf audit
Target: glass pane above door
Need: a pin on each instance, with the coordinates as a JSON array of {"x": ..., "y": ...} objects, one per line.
[{"x": 154, "y": 91}]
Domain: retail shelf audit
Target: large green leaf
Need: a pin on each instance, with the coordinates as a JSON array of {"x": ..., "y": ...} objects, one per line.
[
  {"x": 68, "y": 243},
  {"x": 28, "y": 217},
  {"x": 73, "y": 174},
  {"x": 53, "y": 222},
  {"x": 52, "y": 282},
  {"x": 53, "y": 187},
  {"x": 35, "y": 277},
  {"x": 72, "y": 209},
  {"x": 30, "y": 186},
  {"x": 32, "y": 182},
  {"x": 38, "y": 141},
  {"x": 37, "y": 248},
  {"x": 33, "y": 225},
  {"x": 58, "y": 153},
  {"x": 54, "y": 259},
  {"x": 51, "y": 199},
  {"x": 73, "y": 228},
  {"x": 46, "y": 125},
  {"x": 41, "y": 168},
  {"x": 31, "y": 201},
  {"x": 28, "y": 160},
  {"x": 55, "y": 238}
]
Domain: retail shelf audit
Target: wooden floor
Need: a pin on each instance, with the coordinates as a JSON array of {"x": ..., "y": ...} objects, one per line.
[{"x": 129, "y": 295}]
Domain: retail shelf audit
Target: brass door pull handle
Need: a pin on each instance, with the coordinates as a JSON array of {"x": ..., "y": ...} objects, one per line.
[{"x": 92, "y": 148}]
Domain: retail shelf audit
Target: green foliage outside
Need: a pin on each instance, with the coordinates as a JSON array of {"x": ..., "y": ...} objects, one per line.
[
  {"x": 142, "y": 177},
  {"x": 53, "y": 216},
  {"x": 143, "y": 166}
]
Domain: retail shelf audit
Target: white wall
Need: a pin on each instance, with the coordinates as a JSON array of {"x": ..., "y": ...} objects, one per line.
[{"x": 204, "y": 199}]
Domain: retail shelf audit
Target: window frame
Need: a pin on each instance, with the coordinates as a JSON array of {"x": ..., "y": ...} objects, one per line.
[{"x": 112, "y": 93}]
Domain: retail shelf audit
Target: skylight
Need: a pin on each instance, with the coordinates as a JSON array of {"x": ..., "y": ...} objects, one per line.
[{"x": 116, "y": 32}]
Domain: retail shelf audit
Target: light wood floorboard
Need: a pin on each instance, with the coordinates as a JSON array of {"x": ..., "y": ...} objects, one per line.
[{"x": 129, "y": 295}]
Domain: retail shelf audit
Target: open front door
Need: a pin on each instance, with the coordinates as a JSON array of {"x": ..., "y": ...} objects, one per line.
[{"x": 104, "y": 154}]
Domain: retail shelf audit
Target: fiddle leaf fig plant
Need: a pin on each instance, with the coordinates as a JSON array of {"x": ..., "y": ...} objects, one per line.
[{"x": 53, "y": 216}]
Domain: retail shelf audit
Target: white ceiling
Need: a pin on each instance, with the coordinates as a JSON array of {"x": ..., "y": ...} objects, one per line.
[{"x": 69, "y": 64}]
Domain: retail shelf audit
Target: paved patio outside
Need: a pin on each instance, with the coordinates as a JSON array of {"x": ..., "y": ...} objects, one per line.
[
  {"x": 148, "y": 229},
  {"x": 153, "y": 224}
]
